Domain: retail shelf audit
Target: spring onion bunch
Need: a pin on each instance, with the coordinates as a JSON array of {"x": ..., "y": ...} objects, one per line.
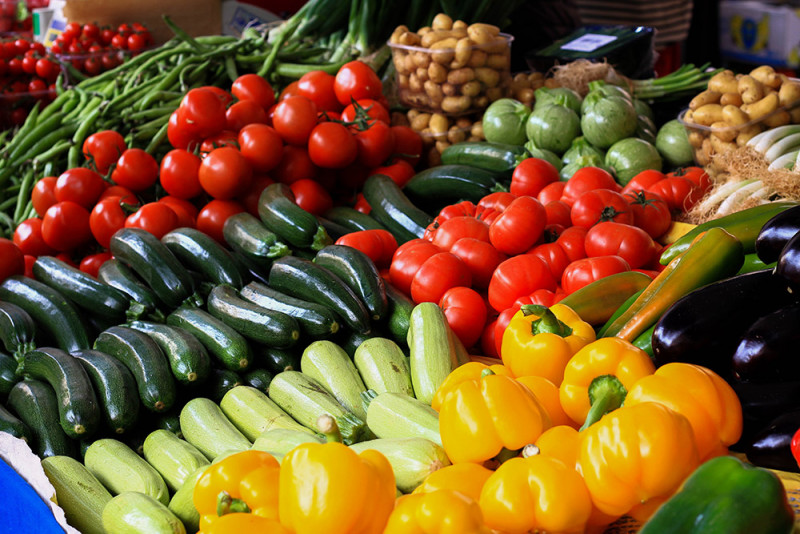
[{"x": 687, "y": 80}]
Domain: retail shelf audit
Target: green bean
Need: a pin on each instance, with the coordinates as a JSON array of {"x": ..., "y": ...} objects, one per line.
[
  {"x": 182, "y": 35},
  {"x": 24, "y": 195},
  {"x": 157, "y": 139},
  {"x": 158, "y": 96},
  {"x": 296, "y": 70},
  {"x": 151, "y": 113},
  {"x": 50, "y": 154},
  {"x": 25, "y": 143},
  {"x": 83, "y": 99},
  {"x": 230, "y": 68},
  {"x": 73, "y": 157}
]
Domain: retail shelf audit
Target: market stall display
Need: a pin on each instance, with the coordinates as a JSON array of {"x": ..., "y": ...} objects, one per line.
[{"x": 260, "y": 284}]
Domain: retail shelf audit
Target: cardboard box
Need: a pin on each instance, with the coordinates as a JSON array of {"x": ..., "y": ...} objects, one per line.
[
  {"x": 196, "y": 17},
  {"x": 760, "y": 32}
]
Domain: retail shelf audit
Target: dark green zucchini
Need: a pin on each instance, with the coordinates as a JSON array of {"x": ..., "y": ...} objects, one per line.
[
  {"x": 352, "y": 219},
  {"x": 51, "y": 310},
  {"x": 392, "y": 208},
  {"x": 224, "y": 343},
  {"x": 35, "y": 404},
  {"x": 280, "y": 213},
  {"x": 444, "y": 184},
  {"x": 306, "y": 280},
  {"x": 199, "y": 252},
  {"x": 17, "y": 330},
  {"x": 252, "y": 241},
  {"x": 359, "y": 272},
  {"x": 492, "y": 157},
  {"x": 116, "y": 274},
  {"x": 115, "y": 388},
  {"x": 399, "y": 318},
  {"x": 78, "y": 408},
  {"x": 82, "y": 289},
  {"x": 333, "y": 229},
  {"x": 11, "y": 424},
  {"x": 188, "y": 358},
  {"x": 264, "y": 325},
  {"x": 8, "y": 374},
  {"x": 259, "y": 379},
  {"x": 146, "y": 362},
  {"x": 154, "y": 263},
  {"x": 316, "y": 320},
  {"x": 277, "y": 360},
  {"x": 220, "y": 382}
]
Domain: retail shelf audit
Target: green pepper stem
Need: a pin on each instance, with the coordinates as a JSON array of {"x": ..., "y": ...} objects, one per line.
[
  {"x": 506, "y": 454},
  {"x": 547, "y": 321},
  {"x": 606, "y": 393},
  {"x": 228, "y": 505}
]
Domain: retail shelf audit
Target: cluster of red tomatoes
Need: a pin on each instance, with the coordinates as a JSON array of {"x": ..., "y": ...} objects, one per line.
[
  {"x": 228, "y": 146},
  {"x": 93, "y": 49},
  {"x": 27, "y": 75},
  {"x": 539, "y": 242},
  {"x": 17, "y": 19}
]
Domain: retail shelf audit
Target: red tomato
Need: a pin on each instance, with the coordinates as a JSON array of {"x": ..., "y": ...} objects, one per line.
[
  {"x": 225, "y": 173},
  {"x": 12, "y": 260},
  {"x": 179, "y": 133},
  {"x": 361, "y": 205},
  {"x": 519, "y": 226},
  {"x": 332, "y": 146},
  {"x": 399, "y": 170},
  {"x": 261, "y": 146},
  {"x": 158, "y": 218},
  {"x": 213, "y": 215},
  {"x": 488, "y": 343},
  {"x": 587, "y": 179},
  {"x": 498, "y": 201},
  {"x": 583, "y": 272},
  {"x": 28, "y": 237},
  {"x": 179, "y": 173},
  {"x": 500, "y": 326},
  {"x": 294, "y": 119},
  {"x": 643, "y": 181},
  {"x": 407, "y": 144},
  {"x": 295, "y": 164},
  {"x": 201, "y": 113},
  {"x": 119, "y": 191},
  {"x": 136, "y": 169},
  {"x": 545, "y": 297},
  {"x": 365, "y": 111},
  {"x": 253, "y": 87},
  {"x": 680, "y": 193},
  {"x": 185, "y": 210},
  {"x": 65, "y": 226},
  {"x": 317, "y": 86},
  {"x": 91, "y": 264},
  {"x": 103, "y": 149},
  {"x": 697, "y": 175},
  {"x": 251, "y": 199},
  {"x": 531, "y": 175},
  {"x": 465, "y": 208},
  {"x": 480, "y": 257},
  {"x": 289, "y": 90},
  {"x": 375, "y": 144},
  {"x": 43, "y": 195},
  {"x": 436, "y": 275},
  {"x": 554, "y": 256},
  {"x": 407, "y": 260},
  {"x": 558, "y": 212},
  {"x": 223, "y": 138},
  {"x": 518, "y": 276},
  {"x": 80, "y": 185},
  {"x": 650, "y": 212},
  {"x": 630, "y": 243},
  {"x": 311, "y": 196},
  {"x": 243, "y": 113},
  {"x": 380, "y": 245},
  {"x": 356, "y": 80},
  {"x": 466, "y": 313},
  {"x": 572, "y": 240},
  {"x": 551, "y": 192},
  {"x": 456, "y": 228},
  {"x": 598, "y": 205}
]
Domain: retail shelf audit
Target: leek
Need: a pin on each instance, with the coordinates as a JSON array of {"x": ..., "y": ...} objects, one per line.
[
  {"x": 783, "y": 146},
  {"x": 730, "y": 204},
  {"x": 719, "y": 194},
  {"x": 785, "y": 161},
  {"x": 769, "y": 137}
]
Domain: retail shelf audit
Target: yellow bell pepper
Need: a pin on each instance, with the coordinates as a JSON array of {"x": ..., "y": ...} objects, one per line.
[
  {"x": 467, "y": 478},
  {"x": 635, "y": 457},
  {"x": 443, "y": 511},
  {"x": 463, "y": 373},
  {"x": 481, "y": 418},
  {"x": 547, "y": 393},
  {"x": 241, "y": 484},
  {"x": 539, "y": 493},
  {"x": 239, "y": 523},
  {"x": 702, "y": 396},
  {"x": 598, "y": 377},
  {"x": 327, "y": 487},
  {"x": 540, "y": 341}
]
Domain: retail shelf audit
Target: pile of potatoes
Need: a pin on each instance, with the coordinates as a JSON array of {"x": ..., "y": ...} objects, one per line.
[
  {"x": 450, "y": 67},
  {"x": 736, "y": 107}
]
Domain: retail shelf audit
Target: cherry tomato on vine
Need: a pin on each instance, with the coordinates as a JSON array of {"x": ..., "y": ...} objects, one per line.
[
  {"x": 598, "y": 205},
  {"x": 253, "y": 87},
  {"x": 106, "y": 217},
  {"x": 224, "y": 173},
  {"x": 311, "y": 196},
  {"x": 583, "y": 272},
  {"x": 135, "y": 169},
  {"x": 43, "y": 195},
  {"x": 124, "y": 193},
  {"x": 366, "y": 109},
  {"x": 317, "y": 86},
  {"x": 375, "y": 144},
  {"x": 65, "y": 226},
  {"x": 356, "y": 80},
  {"x": 466, "y": 312},
  {"x": 12, "y": 260},
  {"x": 178, "y": 173},
  {"x": 158, "y": 218},
  {"x": 91, "y": 264},
  {"x": 531, "y": 175},
  {"x": 80, "y": 185},
  {"x": 261, "y": 146},
  {"x": 243, "y": 113},
  {"x": 213, "y": 215},
  {"x": 628, "y": 242},
  {"x": 223, "y": 138},
  {"x": 332, "y": 146},
  {"x": 103, "y": 149},
  {"x": 28, "y": 237},
  {"x": 294, "y": 119}
]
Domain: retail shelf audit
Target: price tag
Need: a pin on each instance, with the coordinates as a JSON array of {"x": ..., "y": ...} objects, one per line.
[{"x": 589, "y": 42}]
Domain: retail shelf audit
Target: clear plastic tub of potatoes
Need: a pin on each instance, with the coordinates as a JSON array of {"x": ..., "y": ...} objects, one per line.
[
  {"x": 736, "y": 107},
  {"x": 451, "y": 67}
]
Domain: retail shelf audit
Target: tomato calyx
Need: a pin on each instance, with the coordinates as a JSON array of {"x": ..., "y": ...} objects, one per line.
[
  {"x": 609, "y": 213},
  {"x": 639, "y": 197},
  {"x": 362, "y": 121}
]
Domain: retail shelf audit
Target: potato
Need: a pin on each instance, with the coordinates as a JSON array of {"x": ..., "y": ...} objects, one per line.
[
  {"x": 733, "y": 115},
  {"x": 444, "y": 51},
  {"x": 778, "y": 118},
  {"x": 748, "y": 133},
  {"x": 696, "y": 138},
  {"x": 719, "y": 145},
  {"x": 463, "y": 53},
  {"x": 477, "y": 58},
  {"x": 471, "y": 88},
  {"x": 789, "y": 93},
  {"x": 761, "y": 108},
  {"x": 456, "y": 104},
  {"x": 499, "y": 61},
  {"x": 438, "y": 125},
  {"x": 707, "y": 114},
  {"x": 488, "y": 77},
  {"x": 434, "y": 91},
  {"x": 420, "y": 122},
  {"x": 477, "y": 130},
  {"x": 733, "y": 99},
  {"x": 441, "y": 145},
  {"x": 456, "y": 134},
  {"x": 437, "y": 72},
  {"x": 767, "y": 76},
  {"x": 724, "y": 131},
  {"x": 706, "y": 97},
  {"x": 751, "y": 89},
  {"x": 724, "y": 82},
  {"x": 442, "y": 21}
]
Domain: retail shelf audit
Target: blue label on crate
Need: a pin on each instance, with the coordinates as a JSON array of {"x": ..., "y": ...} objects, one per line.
[{"x": 243, "y": 18}]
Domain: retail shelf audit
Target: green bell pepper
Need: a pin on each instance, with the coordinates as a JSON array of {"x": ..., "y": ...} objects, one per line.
[{"x": 727, "y": 496}]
